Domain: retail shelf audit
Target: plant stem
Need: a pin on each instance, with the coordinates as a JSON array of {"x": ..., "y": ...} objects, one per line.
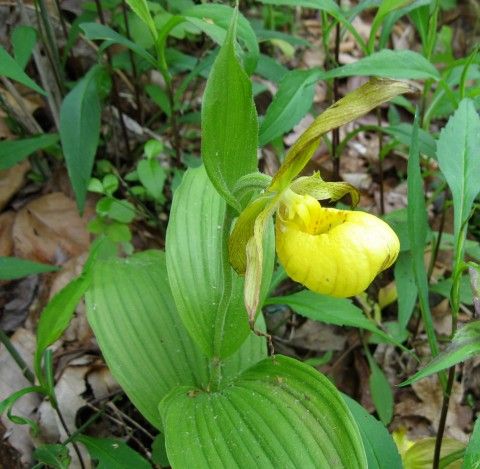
[
  {"x": 69, "y": 435},
  {"x": 455, "y": 305},
  {"x": 436, "y": 245},
  {"x": 443, "y": 418},
  {"x": 380, "y": 162},
  {"x": 5, "y": 340},
  {"x": 336, "y": 131}
]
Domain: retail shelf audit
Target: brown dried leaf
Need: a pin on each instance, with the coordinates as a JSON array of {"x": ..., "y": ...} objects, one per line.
[
  {"x": 11, "y": 180},
  {"x": 429, "y": 392},
  {"x": 49, "y": 229},
  {"x": 13, "y": 380},
  {"x": 68, "y": 390},
  {"x": 6, "y": 239}
]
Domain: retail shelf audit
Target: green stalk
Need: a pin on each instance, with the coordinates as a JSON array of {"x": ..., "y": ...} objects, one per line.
[{"x": 459, "y": 267}]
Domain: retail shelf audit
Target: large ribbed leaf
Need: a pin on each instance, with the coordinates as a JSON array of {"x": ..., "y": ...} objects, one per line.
[
  {"x": 278, "y": 414},
  {"x": 207, "y": 292},
  {"x": 148, "y": 350}
]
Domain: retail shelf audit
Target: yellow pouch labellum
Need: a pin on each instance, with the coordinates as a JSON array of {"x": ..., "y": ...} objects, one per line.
[{"x": 330, "y": 251}]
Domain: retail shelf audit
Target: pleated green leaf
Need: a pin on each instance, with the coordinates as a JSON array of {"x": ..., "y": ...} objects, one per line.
[
  {"x": 143, "y": 340},
  {"x": 133, "y": 316},
  {"x": 229, "y": 122},
  {"x": 207, "y": 292},
  {"x": 279, "y": 413}
]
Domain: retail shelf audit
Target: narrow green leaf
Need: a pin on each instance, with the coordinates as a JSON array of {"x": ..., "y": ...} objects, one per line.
[
  {"x": 417, "y": 233},
  {"x": 8, "y": 403},
  {"x": 113, "y": 453},
  {"x": 57, "y": 315},
  {"x": 140, "y": 7},
  {"x": 471, "y": 459},
  {"x": 159, "y": 452},
  {"x": 407, "y": 291},
  {"x": 292, "y": 101},
  {"x": 459, "y": 159},
  {"x": 338, "y": 311},
  {"x": 347, "y": 109},
  {"x": 14, "y": 151},
  {"x": 444, "y": 287},
  {"x": 80, "y": 131},
  {"x": 279, "y": 413},
  {"x": 55, "y": 456},
  {"x": 13, "y": 267},
  {"x": 213, "y": 18},
  {"x": 385, "y": 7},
  {"x": 403, "y": 133},
  {"x": 381, "y": 392},
  {"x": 379, "y": 445},
  {"x": 11, "y": 69},
  {"x": 396, "y": 64},
  {"x": 270, "y": 68},
  {"x": 229, "y": 122},
  {"x": 330, "y": 7},
  {"x": 207, "y": 292},
  {"x": 96, "y": 31},
  {"x": 23, "y": 39},
  {"x": 464, "y": 345}
]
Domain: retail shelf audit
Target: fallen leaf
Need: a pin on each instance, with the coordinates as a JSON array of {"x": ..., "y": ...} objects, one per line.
[
  {"x": 68, "y": 390},
  {"x": 6, "y": 239},
  {"x": 430, "y": 395},
  {"x": 49, "y": 229},
  {"x": 11, "y": 180},
  {"x": 18, "y": 301},
  {"x": 101, "y": 382}
]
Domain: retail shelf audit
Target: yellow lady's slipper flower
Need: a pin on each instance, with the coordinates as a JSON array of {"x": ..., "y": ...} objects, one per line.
[{"x": 330, "y": 251}]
